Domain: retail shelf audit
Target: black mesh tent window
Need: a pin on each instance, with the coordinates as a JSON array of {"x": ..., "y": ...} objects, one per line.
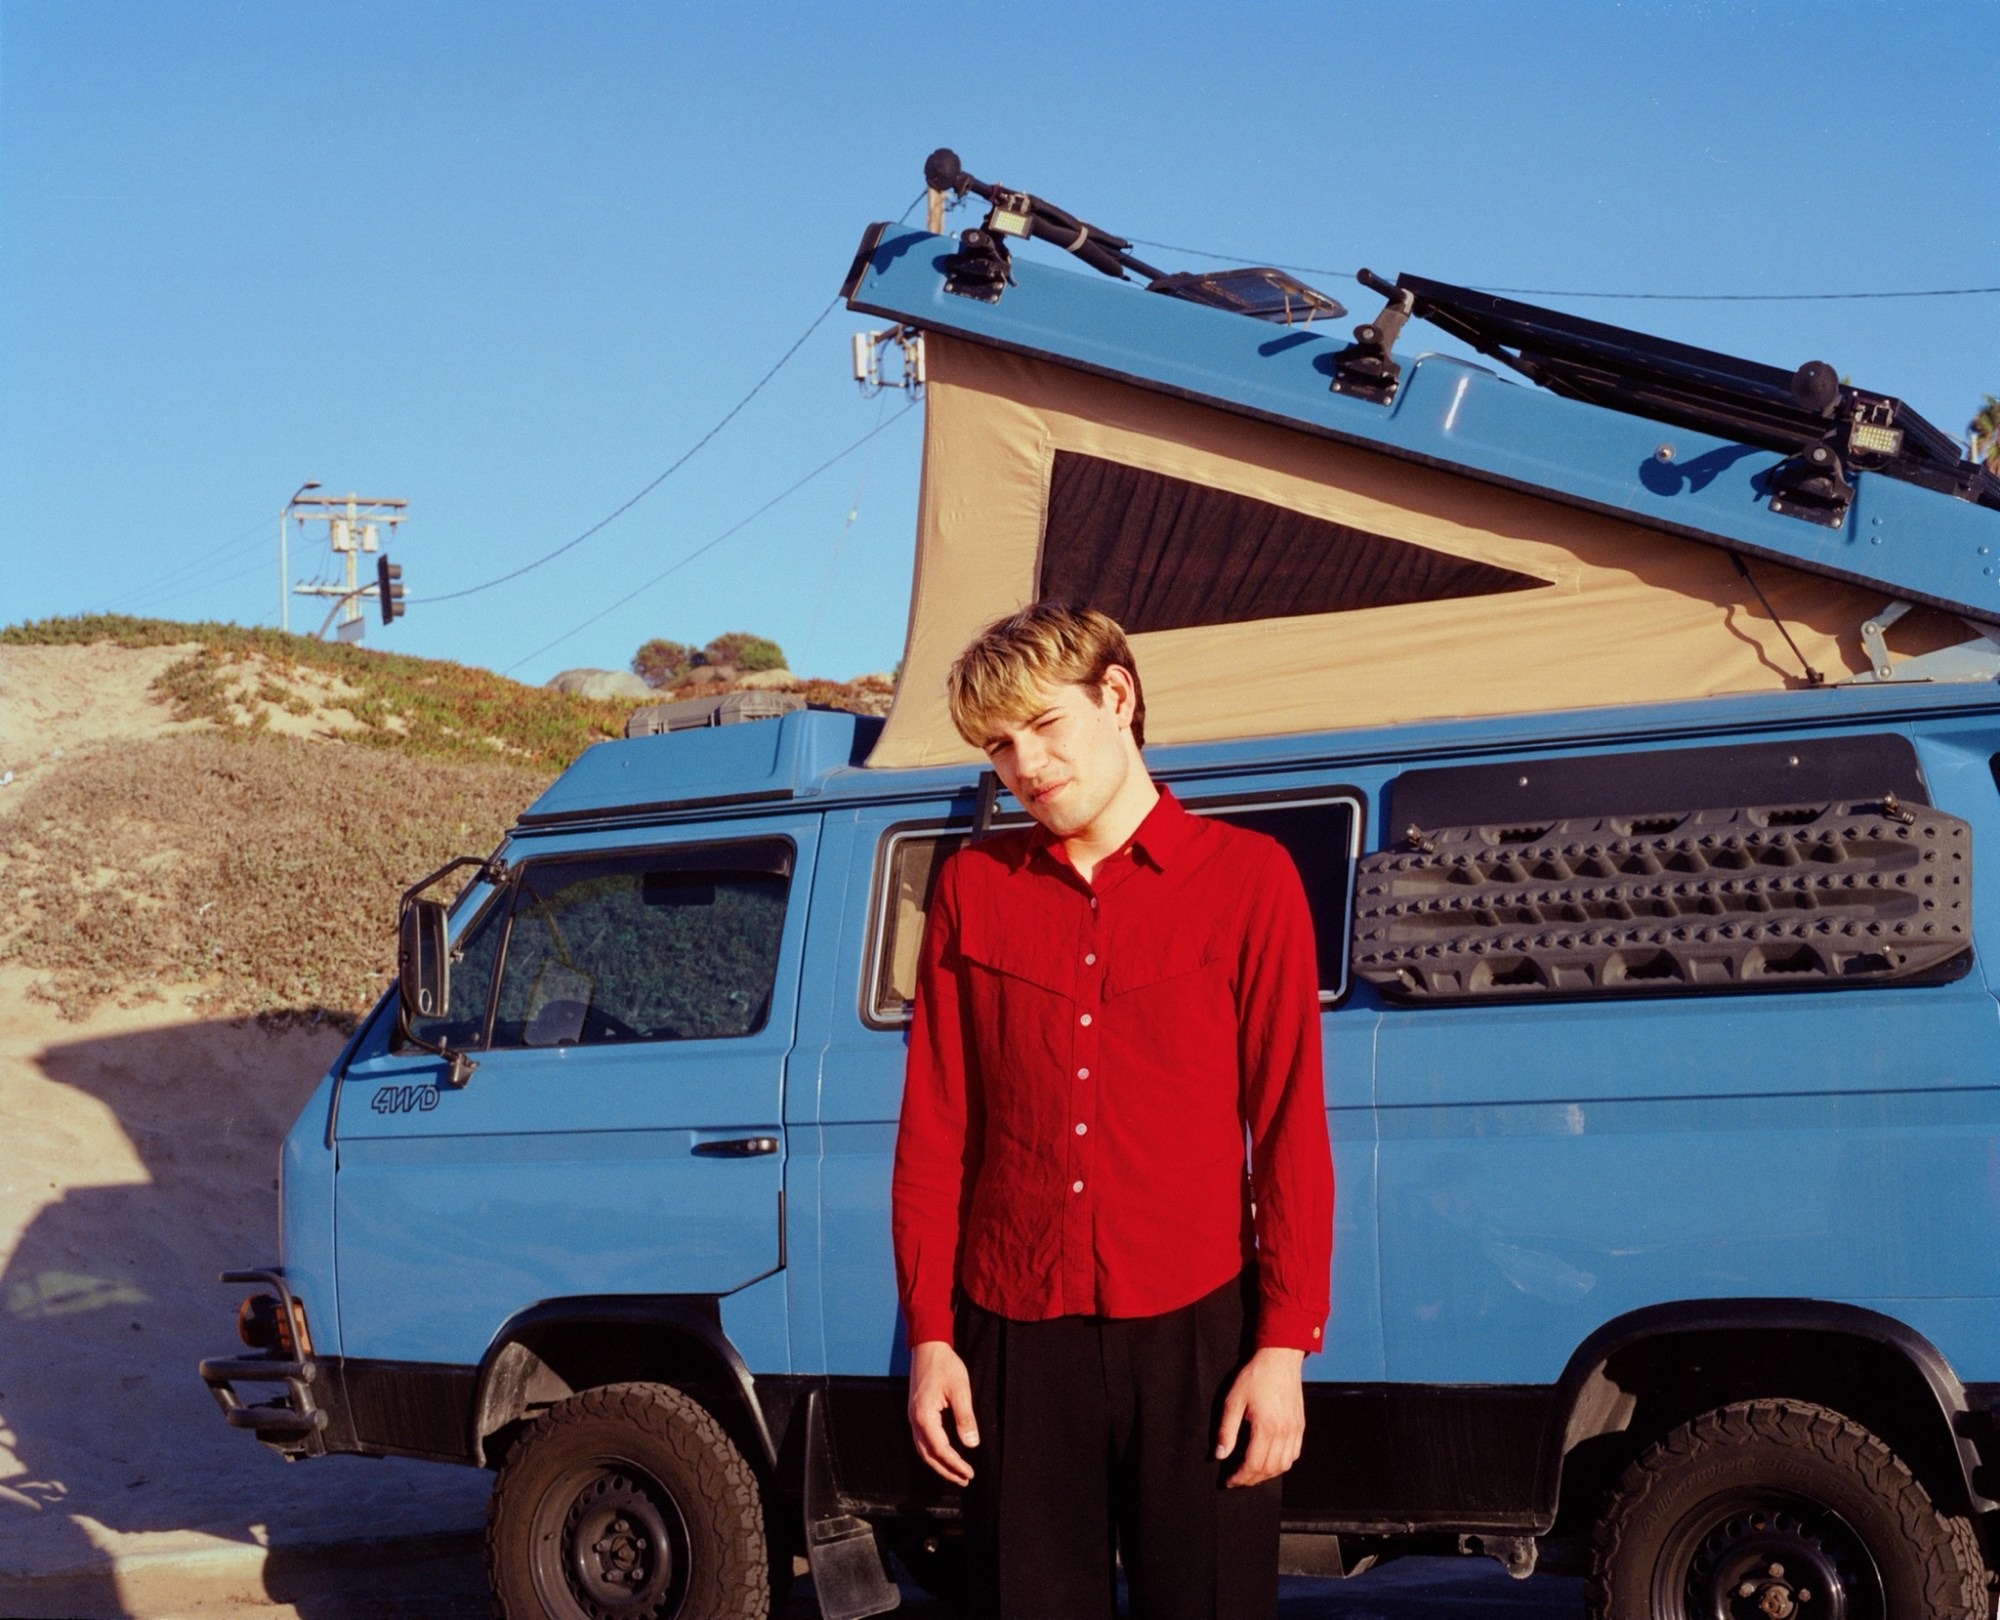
[{"x": 1161, "y": 553}]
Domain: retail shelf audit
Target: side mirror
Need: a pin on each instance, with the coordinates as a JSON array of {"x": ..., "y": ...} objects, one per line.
[{"x": 423, "y": 960}]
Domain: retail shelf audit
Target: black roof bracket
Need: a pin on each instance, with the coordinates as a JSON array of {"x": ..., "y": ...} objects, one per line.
[
  {"x": 1813, "y": 486},
  {"x": 981, "y": 268},
  {"x": 1366, "y": 369}
]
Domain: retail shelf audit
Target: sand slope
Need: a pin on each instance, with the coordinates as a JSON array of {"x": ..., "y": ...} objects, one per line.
[{"x": 52, "y": 699}]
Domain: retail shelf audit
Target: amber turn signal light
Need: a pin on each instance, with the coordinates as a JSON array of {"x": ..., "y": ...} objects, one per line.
[{"x": 261, "y": 1324}]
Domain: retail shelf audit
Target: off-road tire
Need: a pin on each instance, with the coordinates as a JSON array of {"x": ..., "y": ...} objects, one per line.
[
  {"x": 1712, "y": 1507},
  {"x": 627, "y": 1502}
]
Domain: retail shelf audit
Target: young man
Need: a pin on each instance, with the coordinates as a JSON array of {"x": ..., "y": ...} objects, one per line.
[{"x": 1107, "y": 1317}]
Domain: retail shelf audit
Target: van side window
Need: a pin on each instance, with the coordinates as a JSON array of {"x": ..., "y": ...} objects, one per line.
[
  {"x": 1321, "y": 833},
  {"x": 1322, "y": 836},
  {"x": 912, "y": 866},
  {"x": 667, "y": 945}
]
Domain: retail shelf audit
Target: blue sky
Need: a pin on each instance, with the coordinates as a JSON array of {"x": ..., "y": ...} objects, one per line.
[{"x": 509, "y": 261}]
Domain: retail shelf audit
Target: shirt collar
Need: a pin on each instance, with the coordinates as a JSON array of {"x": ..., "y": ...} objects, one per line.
[{"x": 1159, "y": 837}]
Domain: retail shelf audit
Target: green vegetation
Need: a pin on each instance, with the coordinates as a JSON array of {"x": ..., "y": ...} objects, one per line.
[
  {"x": 661, "y": 662},
  {"x": 241, "y": 679},
  {"x": 253, "y": 869},
  {"x": 747, "y": 652},
  {"x": 1984, "y": 433},
  {"x": 252, "y": 875}
]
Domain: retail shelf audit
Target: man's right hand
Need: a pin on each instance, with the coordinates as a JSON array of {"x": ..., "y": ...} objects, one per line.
[{"x": 939, "y": 1384}]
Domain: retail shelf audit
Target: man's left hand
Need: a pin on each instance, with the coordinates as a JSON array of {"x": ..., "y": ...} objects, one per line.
[{"x": 1270, "y": 1393}]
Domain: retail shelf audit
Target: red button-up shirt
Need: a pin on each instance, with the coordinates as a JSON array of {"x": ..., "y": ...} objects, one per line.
[{"x": 1087, "y": 1063}]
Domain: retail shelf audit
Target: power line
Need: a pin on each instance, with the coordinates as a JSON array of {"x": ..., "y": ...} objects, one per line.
[
  {"x": 1748, "y": 298},
  {"x": 210, "y": 584},
  {"x": 192, "y": 568},
  {"x": 640, "y": 590},
  {"x": 1561, "y": 292},
  {"x": 840, "y": 540},
  {"x": 686, "y": 456}
]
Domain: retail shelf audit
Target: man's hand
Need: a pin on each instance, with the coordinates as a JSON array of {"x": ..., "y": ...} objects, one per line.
[
  {"x": 1270, "y": 1392},
  {"x": 939, "y": 1384}
]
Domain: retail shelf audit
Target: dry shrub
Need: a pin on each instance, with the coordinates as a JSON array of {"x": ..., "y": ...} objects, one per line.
[
  {"x": 255, "y": 874},
  {"x": 421, "y": 706}
]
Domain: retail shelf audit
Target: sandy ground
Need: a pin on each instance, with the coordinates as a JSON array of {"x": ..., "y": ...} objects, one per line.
[
  {"x": 56, "y": 699},
  {"x": 138, "y": 1151}
]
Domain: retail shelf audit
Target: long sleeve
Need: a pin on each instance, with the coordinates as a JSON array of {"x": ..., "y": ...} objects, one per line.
[
  {"x": 1291, "y": 1163},
  {"x": 937, "y": 1139}
]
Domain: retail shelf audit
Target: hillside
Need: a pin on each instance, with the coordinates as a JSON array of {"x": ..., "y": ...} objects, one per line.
[{"x": 223, "y": 818}]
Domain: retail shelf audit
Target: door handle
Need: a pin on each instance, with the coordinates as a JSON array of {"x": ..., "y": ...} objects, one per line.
[{"x": 737, "y": 1147}]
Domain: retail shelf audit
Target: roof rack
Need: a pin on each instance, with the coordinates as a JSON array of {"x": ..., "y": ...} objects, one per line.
[{"x": 1826, "y": 427}]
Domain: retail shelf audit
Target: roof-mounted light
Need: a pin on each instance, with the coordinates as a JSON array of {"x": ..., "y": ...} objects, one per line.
[{"x": 1874, "y": 439}]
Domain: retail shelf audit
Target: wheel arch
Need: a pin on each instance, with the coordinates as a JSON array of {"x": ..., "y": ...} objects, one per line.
[
  {"x": 1666, "y": 1363},
  {"x": 556, "y": 1348}
]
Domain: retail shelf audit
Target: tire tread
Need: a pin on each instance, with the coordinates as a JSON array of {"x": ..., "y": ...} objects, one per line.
[
  {"x": 687, "y": 1429},
  {"x": 1946, "y": 1546}
]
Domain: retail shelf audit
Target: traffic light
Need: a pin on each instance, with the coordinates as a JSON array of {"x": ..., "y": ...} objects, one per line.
[{"x": 388, "y": 589}]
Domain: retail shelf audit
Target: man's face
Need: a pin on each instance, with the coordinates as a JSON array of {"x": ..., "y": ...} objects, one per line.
[{"x": 1069, "y": 756}]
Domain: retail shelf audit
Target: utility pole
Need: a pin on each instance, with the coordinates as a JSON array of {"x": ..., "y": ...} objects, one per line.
[
  {"x": 284, "y": 569},
  {"x": 354, "y": 525}
]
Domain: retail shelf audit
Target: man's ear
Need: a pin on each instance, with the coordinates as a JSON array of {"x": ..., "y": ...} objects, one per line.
[{"x": 1119, "y": 692}]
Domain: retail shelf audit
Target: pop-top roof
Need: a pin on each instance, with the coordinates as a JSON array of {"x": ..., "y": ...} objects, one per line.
[{"x": 1310, "y": 530}]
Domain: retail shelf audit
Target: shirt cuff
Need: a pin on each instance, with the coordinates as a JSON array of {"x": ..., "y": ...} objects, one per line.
[
  {"x": 1286, "y": 1327},
  {"x": 926, "y": 1323}
]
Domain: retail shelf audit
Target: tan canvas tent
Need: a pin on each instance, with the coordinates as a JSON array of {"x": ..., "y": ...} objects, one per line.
[{"x": 1300, "y": 584}]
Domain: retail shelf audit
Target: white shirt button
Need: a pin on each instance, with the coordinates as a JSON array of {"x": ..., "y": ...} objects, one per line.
[
  {"x": 1076, "y": 1186},
  {"x": 1093, "y": 902},
  {"x": 1083, "y": 1074},
  {"x": 1090, "y": 959},
  {"x": 1315, "y": 1333},
  {"x": 1084, "y": 1019},
  {"x": 1081, "y": 1128}
]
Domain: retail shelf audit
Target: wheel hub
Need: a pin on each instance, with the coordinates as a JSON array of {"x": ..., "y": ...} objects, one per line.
[
  {"x": 619, "y": 1555},
  {"x": 1768, "y": 1563}
]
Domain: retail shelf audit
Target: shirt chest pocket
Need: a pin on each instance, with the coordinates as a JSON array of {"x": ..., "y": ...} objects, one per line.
[
  {"x": 1020, "y": 957},
  {"x": 1166, "y": 968}
]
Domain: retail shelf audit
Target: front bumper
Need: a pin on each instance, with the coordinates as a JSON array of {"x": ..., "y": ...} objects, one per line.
[{"x": 294, "y": 1423}]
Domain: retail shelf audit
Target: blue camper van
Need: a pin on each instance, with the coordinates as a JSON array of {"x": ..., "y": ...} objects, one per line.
[{"x": 1630, "y": 712}]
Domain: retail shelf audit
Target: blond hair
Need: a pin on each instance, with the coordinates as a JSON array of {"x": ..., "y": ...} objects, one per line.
[{"x": 995, "y": 679}]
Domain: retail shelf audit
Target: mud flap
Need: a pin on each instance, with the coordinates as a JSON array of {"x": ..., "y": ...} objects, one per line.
[{"x": 847, "y": 1571}]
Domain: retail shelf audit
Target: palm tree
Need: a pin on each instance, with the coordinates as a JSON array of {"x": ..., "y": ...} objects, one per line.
[{"x": 1984, "y": 432}]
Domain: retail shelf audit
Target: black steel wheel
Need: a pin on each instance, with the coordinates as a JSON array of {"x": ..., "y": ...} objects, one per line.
[
  {"x": 627, "y": 1502},
  {"x": 1779, "y": 1510}
]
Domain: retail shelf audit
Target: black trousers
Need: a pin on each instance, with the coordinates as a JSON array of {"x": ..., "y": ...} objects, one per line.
[{"x": 1097, "y": 1442}]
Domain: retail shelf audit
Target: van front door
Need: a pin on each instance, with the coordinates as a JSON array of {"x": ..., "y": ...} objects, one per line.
[{"x": 631, "y": 1006}]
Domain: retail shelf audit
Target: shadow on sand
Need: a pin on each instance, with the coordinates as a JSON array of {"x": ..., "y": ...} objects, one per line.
[{"x": 109, "y": 1299}]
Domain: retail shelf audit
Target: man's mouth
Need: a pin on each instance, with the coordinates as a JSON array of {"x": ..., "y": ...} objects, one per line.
[{"x": 1041, "y": 795}]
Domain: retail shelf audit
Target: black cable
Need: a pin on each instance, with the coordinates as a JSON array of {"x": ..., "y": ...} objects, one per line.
[
  {"x": 183, "y": 592},
  {"x": 1746, "y": 298},
  {"x": 191, "y": 569},
  {"x": 1558, "y": 292},
  {"x": 640, "y": 590},
  {"x": 686, "y": 456}
]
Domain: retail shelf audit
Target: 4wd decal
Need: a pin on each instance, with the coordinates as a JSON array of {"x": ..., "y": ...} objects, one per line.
[{"x": 404, "y": 1099}]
